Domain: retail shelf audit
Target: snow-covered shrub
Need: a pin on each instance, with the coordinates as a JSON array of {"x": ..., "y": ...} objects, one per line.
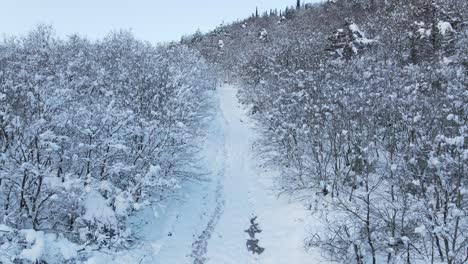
[
  {"x": 376, "y": 132},
  {"x": 92, "y": 131}
]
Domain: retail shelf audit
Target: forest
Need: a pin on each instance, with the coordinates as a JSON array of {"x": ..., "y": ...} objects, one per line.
[
  {"x": 361, "y": 106},
  {"x": 91, "y": 132}
]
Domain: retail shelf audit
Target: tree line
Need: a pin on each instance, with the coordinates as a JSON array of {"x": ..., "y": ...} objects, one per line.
[{"x": 93, "y": 131}]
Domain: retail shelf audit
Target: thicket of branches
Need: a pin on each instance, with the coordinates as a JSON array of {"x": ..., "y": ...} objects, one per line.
[
  {"x": 90, "y": 132},
  {"x": 363, "y": 104}
]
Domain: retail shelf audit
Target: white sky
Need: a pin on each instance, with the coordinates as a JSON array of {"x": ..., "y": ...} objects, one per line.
[{"x": 152, "y": 20}]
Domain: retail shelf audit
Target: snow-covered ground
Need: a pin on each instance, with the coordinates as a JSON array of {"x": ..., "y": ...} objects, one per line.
[{"x": 209, "y": 225}]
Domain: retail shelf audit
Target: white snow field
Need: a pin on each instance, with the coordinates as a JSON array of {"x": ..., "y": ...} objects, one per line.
[{"x": 209, "y": 225}]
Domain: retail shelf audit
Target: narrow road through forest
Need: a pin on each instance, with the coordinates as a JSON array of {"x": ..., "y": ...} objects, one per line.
[
  {"x": 247, "y": 192},
  {"x": 209, "y": 225}
]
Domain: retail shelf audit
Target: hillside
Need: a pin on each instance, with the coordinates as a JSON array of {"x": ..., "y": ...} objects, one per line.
[
  {"x": 363, "y": 108},
  {"x": 321, "y": 133}
]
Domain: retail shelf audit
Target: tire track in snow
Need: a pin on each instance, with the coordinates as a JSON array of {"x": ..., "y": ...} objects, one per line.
[{"x": 200, "y": 246}]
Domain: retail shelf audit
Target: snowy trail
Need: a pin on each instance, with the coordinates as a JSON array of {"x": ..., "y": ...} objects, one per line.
[
  {"x": 208, "y": 226},
  {"x": 247, "y": 193},
  {"x": 180, "y": 231}
]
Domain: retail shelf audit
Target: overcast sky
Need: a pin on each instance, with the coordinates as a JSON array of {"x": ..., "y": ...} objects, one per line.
[{"x": 152, "y": 20}]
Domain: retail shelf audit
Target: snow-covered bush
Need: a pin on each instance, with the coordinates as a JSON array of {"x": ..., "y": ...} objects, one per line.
[
  {"x": 92, "y": 132},
  {"x": 363, "y": 106}
]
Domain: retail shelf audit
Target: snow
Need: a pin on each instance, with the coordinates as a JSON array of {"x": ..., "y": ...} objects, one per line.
[
  {"x": 444, "y": 27},
  {"x": 122, "y": 204},
  {"x": 4, "y": 228},
  {"x": 417, "y": 118},
  {"x": 36, "y": 250},
  {"x": 263, "y": 34},
  {"x": 420, "y": 229},
  {"x": 171, "y": 228},
  {"x": 47, "y": 246},
  {"x": 119, "y": 147},
  {"x": 67, "y": 249},
  {"x": 118, "y": 259},
  {"x": 208, "y": 225},
  {"x": 355, "y": 28},
  {"x": 97, "y": 208},
  {"x": 248, "y": 193}
]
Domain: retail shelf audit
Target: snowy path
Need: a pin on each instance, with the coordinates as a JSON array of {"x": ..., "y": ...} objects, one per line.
[
  {"x": 208, "y": 226},
  {"x": 247, "y": 193}
]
